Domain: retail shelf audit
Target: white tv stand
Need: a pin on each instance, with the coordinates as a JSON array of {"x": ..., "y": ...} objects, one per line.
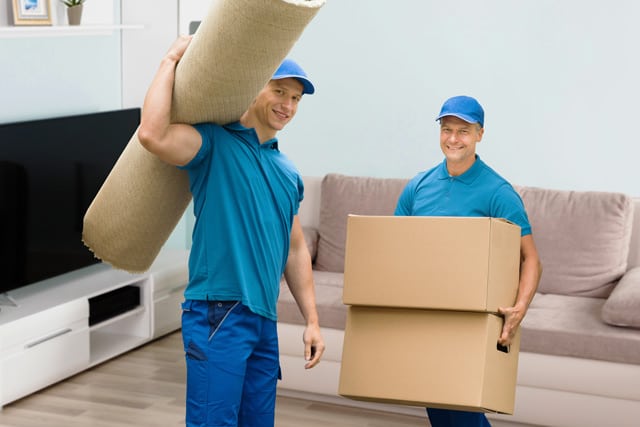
[{"x": 46, "y": 336}]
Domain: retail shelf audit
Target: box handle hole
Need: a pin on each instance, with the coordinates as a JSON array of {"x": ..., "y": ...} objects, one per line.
[{"x": 502, "y": 348}]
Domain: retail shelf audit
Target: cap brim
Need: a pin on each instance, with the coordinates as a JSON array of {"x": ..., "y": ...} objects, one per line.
[
  {"x": 307, "y": 86},
  {"x": 460, "y": 116}
]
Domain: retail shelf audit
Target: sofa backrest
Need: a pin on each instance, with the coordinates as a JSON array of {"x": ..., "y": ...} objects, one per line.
[
  {"x": 566, "y": 225},
  {"x": 342, "y": 195},
  {"x": 634, "y": 244},
  {"x": 582, "y": 238},
  {"x": 309, "y": 212}
]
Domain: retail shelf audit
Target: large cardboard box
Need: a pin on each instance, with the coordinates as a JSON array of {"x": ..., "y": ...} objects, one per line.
[
  {"x": 429, "y": 358},
  {"x": 452, "y": 263}
]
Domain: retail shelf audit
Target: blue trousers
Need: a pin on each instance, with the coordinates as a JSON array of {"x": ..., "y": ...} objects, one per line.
[
  {"x": 232, "y": 364},
  {"x": 450, "y": 418}
]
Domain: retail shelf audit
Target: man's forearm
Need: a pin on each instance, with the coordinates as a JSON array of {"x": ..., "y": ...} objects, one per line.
[
  {"x": 156, "y": 109},
  {"x": 300, "y": 281}
]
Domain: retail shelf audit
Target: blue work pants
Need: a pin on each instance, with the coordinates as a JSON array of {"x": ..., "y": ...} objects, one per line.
[
  {"x": 232, "y": 363},
  {"x": 451, "y": 418}
]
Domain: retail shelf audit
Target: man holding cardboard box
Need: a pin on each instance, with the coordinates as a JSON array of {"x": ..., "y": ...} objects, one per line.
[{"x": 463, "y": 185}]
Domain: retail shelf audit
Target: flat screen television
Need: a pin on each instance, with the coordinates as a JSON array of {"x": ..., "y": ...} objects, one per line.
[{"x": 50, "y": 172}]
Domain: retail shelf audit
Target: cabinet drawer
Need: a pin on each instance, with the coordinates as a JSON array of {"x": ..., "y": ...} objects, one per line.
[
  {"x": 41, "y": 324},
  {"x": 44, "y": 361}
]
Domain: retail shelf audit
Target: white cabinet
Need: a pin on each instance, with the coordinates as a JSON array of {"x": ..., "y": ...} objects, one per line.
[
  {"x": 170, "y": 277},
  {"x": 167, "y": 313},
  {"x": 121, "y": 331},
  {"x": 42, "y": 348},
  {"x": 64, "y": 325}
]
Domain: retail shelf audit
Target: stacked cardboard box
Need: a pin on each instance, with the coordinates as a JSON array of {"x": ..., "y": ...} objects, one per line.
[{"x": 422, "y": 324}]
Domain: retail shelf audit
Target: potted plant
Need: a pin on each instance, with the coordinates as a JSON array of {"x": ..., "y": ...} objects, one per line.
[{"x": 74, "y": 10}]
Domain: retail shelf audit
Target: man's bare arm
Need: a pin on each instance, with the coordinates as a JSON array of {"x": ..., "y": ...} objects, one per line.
[
  {"x": 175, "y": 144},
  {"x": 299, "y": 277},
  {"x": 530, "y": 272}
]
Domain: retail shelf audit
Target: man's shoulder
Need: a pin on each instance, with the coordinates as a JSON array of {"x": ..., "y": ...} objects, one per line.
[
  {"x": 214, "y": 127},
  {"x": 491, "y": 175},
  {"x": 426, "y": 175}
]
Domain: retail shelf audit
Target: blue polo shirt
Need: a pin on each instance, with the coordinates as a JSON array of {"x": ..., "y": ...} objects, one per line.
[
  {"x": 479, "y": 192},
  {"x": 245, "y": 195}
]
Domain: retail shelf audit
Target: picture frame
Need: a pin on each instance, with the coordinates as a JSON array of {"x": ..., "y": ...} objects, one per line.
[{"x": 31, "y": 12}]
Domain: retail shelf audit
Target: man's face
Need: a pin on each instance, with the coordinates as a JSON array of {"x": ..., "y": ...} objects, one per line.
[
  {"x": 458, "y": 141},
  {"x": 277, "y": 103}
]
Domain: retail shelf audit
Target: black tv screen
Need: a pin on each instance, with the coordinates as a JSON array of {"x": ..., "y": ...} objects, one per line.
[{"x": 50, "y": 172}]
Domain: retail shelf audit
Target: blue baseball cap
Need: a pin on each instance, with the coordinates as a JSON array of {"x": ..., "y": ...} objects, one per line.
[
  {"x": 289, "y": 68},
  {"x": 463, "y": 107}
]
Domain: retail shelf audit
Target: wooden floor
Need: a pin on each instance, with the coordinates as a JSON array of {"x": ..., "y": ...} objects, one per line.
[{"x": 145, "y": 387}]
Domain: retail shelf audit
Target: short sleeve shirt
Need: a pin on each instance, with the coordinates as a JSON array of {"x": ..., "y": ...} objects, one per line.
[
  {"x": 245, "y": 196},
  {"x": 479, "y": 192}
]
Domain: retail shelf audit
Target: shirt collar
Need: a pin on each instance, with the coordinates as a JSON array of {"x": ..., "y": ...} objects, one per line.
[
  {"x": 468, "y": 177},
  {"x": 237, "y": 127}
]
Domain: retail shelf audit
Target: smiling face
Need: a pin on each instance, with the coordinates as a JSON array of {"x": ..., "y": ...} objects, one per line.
[
  {"x": 458, "y": 141},
  {"x": 273, "y": 108}
]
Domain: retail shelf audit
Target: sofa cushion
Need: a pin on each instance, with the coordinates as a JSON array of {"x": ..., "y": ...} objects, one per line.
[
  {"x": 565, "y": 325},
  {"x": 331, "y": 311},
  {"x": 622, "y": 308},
  {"x": 343, "y": 195},
  {"x": 582, "y": 238}
]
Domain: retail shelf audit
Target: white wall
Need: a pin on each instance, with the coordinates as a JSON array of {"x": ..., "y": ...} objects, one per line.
[
  {"x": 558, "y": 80},
  {"x": 143, "y": 50},
  {"x": 49, "y": 75}
]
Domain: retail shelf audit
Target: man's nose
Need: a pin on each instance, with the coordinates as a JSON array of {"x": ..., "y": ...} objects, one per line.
[{"x": 288, "y": 103}]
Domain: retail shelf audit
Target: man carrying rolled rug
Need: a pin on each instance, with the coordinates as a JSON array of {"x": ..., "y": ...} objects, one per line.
[{"x": 246, "y": 196}]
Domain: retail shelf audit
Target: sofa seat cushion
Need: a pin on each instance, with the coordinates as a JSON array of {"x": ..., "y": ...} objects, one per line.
[
  {"x": 572, "y": 326},
  {"x": 622, "y": 308},
  {"x": 332, "y": 313},
  {"x": 582, "y": 238},
  {"x": 342, "y": 195}
]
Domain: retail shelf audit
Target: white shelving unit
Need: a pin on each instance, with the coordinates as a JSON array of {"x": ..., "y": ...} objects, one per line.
[
  {"x": 98, "y": 18},
  {"x": 49, "y": 335},
  {"x": 64, "y": 30}
]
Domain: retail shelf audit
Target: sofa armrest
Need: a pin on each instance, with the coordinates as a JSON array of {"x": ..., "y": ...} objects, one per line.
[
  {"x": 311, "y": 239},
  {"x": 622, "y": 308}
]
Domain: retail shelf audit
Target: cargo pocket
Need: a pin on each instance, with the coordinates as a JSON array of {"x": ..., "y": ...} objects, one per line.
[
  {"x": 193, "y": 320},
  {"x": 218, "y": 312}
]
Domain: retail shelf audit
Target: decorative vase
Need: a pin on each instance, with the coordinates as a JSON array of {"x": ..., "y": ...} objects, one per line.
[{"x": 74, "y": 14}]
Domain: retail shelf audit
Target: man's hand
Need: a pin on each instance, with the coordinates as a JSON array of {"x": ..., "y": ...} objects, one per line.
[
  {"x": 178, "y": 47},
  {"x": 313, "y": 346},
  {"x": 512, "y": 318}
]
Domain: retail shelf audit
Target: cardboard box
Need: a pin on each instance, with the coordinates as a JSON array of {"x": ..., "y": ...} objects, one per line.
[
  {"x": 452, "y": 263},
  {"x": 429, "y": 358}
]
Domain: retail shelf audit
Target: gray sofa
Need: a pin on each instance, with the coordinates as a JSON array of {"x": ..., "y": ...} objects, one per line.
[{"x": 580, "y": 350}]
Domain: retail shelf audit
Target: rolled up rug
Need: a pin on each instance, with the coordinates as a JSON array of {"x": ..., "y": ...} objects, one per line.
[{"x": 233, "y": 54}]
